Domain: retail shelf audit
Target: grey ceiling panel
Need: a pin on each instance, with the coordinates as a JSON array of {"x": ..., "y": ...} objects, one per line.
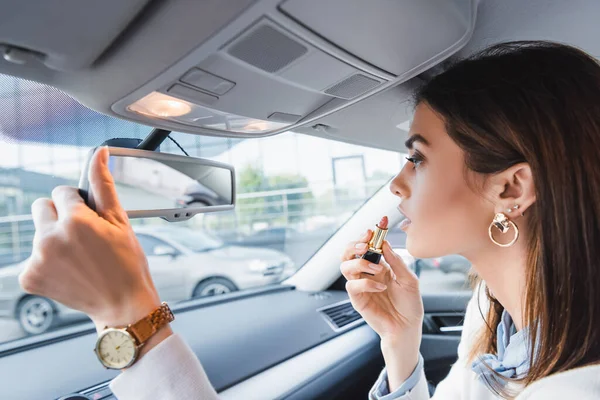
[
  {"x": 207, "y": 81},
  {"x": 192, "y": 95},
  {"x": 374, "y": 122},
  {"x": 330, "y": 69},
  {"x": 66, "y": 35},
  {"x": 267, "y": 49},
  {"x": 352, "y": 87},
  {"x": 162, "y": 34},
  {"x": 283, "y": 117},
  {"x": 276, "y": 64},
  {"x": 395, "y": 36},
  {"x": 168, "y": 39},
  {"x": 573, "y": 22}
]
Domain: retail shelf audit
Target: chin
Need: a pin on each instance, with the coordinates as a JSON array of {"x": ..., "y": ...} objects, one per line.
[
  {"x": 416, "y": 249},
  {"x": 423, "y": 249},
  {"x": 419, "y": 252}
]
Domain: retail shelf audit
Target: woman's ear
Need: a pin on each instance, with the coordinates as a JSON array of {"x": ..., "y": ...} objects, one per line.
[{"x": 512, "y": 187}]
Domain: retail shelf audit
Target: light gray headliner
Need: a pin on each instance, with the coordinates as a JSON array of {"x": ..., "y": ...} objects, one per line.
[
  {"x": 162, "y": 44},
  {"x": 573, "y": 22},
  {"x": 373, "y": 121}
]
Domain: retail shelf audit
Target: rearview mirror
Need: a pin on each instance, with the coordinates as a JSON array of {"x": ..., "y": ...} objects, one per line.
[{"x": 173, "y": 187}]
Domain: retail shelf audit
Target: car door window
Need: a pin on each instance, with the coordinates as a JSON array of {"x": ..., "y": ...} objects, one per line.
[{"x": 447, "y": 274}]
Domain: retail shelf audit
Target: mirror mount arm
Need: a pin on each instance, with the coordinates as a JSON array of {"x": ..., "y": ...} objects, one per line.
[
  {"x": 127, "y": 143},
  {"x": 154, "y": 139}
]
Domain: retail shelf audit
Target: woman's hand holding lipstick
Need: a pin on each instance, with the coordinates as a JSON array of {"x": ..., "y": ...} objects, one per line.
[{"x": 389, "y": 301}]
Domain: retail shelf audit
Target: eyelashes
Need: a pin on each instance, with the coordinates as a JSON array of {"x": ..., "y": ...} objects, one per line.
[{"x": 416, "y": 159}]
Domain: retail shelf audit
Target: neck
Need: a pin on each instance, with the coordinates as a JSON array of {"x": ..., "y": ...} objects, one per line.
[{"x": 503, "y": 270}]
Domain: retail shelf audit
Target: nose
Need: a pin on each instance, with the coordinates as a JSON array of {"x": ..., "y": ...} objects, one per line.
[{"x": 399, "y": 185}]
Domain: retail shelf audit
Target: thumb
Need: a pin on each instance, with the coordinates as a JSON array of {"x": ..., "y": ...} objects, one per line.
[
  {"x": 103, "y": 188},
  {"x": 396, "y": 263}
]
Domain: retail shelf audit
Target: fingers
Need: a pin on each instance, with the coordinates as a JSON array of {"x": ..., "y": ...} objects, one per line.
[
  {"x": 44, "y": 214},
  {"x": 357, "y": 248},
  {"x": 396, "y": 263},
  {"x": 351, "y": 269},
  {"x": 65, "y": 199},
  {"x": 359, "y": 286},
  {"x": 103, "y": 188}
]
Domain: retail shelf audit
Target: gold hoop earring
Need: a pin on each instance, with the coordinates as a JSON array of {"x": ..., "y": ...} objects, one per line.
[{"x": 503, "y": 224}]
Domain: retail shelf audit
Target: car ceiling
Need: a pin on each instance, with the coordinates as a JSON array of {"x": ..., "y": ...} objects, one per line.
[{"x": 340, "y": 69}]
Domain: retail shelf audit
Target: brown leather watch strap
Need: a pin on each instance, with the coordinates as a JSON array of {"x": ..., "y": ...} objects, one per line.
[{"x": 143, "y": 329}]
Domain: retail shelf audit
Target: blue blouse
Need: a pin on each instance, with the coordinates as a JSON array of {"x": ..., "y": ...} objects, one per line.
[{"x": 512, "y": 361}]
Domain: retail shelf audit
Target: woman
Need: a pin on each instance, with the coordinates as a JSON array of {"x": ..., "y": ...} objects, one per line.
[
  {"x": 505, "y": 141},
  {"x": 502, "y": 170}
]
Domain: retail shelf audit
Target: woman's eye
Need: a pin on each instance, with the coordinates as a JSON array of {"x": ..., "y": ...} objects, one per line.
[{"x": 415, "y": 160}]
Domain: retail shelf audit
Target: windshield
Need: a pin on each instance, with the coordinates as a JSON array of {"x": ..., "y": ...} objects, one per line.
[
  {"x": 293, "y": 192},
  {"x": 194, "y": 240}
]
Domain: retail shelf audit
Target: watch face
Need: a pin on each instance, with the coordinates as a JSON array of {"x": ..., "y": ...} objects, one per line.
[{"x": 116, "y": 349}]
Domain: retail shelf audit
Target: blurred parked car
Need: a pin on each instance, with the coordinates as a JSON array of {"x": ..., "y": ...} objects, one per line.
[
  {"x": 184, "y": 264},
  {"x": 450, "y": 263},
  {"x": 272, "y": 238},
  {"x": 446, "y": 264},
  {"x": 299, "y": 245},
  {"x": 199, "y": 195}
]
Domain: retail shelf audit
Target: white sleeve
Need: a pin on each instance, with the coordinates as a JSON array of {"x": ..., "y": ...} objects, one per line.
[
  {"x": 170, "y": 371},
  {"x": 581, "y": 383}
]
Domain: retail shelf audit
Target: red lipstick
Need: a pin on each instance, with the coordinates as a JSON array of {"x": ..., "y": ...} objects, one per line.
[{"x": 375, "y": 250}]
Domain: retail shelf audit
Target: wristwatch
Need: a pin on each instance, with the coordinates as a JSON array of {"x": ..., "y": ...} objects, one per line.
[{"x": 119, "y": 347}]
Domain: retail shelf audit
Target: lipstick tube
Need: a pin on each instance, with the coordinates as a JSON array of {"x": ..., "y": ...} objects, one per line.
[{"x": 375, "y": 250}]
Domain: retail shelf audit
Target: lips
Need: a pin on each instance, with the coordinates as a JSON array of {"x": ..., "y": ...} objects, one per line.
[{"x": 405, "y": 222}]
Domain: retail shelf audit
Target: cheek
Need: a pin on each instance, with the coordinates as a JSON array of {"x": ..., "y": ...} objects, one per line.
[{"x": 443, "y": 216}]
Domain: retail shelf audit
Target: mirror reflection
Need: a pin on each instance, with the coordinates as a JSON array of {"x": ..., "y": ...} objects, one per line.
[{"x": 148, "y": 184}]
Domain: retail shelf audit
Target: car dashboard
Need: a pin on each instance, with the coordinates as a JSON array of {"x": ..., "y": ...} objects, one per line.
[{"x": 273, "y": 342}]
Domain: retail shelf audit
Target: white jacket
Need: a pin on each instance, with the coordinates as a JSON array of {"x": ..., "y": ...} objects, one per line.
[{"x": 171, "y": 371}]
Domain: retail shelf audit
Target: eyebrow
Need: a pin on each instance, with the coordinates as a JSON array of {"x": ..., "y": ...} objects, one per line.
[{"x": 415, "y": 138}]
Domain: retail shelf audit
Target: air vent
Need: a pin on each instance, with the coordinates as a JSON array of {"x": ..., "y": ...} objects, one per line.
[
  {"x": 268, "y": 49},
  {"x": 352, "y": 87},
  {"x": 341, "y": 316}
]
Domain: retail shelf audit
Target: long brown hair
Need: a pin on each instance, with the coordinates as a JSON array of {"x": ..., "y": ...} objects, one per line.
[{"x": 538, "y": 102}]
